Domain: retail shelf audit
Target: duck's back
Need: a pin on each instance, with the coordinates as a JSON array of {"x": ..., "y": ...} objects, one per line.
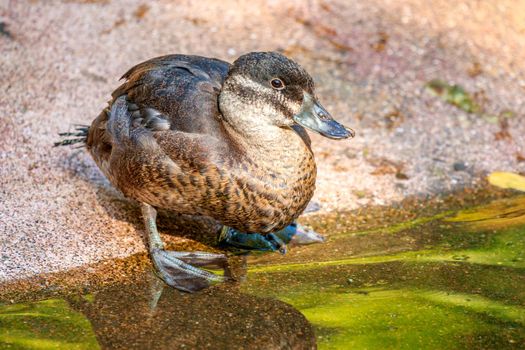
[{"x": 184, "y": 89}]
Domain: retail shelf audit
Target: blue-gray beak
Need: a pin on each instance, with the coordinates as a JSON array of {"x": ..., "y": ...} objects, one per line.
[{"x": 314, "y": 117}]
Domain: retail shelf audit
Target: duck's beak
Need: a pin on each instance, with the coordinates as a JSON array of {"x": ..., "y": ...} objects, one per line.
[{"x": 314, "y": 117}]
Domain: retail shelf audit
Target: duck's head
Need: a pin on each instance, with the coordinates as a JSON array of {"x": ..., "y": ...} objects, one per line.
[{"x": 266, "y": 89}]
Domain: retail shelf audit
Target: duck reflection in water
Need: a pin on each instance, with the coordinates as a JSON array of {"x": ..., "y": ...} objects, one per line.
[{"x": 146, "y": 314}]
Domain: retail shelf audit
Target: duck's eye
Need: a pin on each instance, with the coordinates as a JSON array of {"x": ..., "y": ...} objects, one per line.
[{"x": 277, "y": 84}]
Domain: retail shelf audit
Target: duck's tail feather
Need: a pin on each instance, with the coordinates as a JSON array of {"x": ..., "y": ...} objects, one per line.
[{"x": 71, "y": 138}]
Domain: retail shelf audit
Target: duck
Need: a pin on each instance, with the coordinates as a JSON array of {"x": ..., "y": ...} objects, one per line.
[{"x": 204, "y": 137}]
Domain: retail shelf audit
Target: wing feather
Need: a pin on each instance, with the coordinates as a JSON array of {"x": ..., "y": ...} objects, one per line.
[{"x": 184, "y": 89}]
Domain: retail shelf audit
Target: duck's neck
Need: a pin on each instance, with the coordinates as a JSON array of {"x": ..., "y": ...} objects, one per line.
[{"x": 282, "y": 144}]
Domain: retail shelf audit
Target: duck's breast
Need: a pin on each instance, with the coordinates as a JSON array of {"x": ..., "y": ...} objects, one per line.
[{"x": 265, "y": 191}]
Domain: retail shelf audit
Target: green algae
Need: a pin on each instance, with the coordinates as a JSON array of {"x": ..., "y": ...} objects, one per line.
[
  {"x": 46, "y": 324},
  {"x": 407, "y": 319},
  {"x": 454, "y": 95},
  {"x": 395, "y": 228},
  {"x": 504, "y": 249},
  {"x": 462, "y": 289}
]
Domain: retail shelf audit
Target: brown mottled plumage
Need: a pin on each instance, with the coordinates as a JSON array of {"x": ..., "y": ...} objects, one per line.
[
  {"x": 202, "y": 137},
  {"x": 188, "y": 159}
]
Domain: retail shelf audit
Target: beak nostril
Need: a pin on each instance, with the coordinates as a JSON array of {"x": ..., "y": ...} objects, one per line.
[
  {"x": 313, "y": 116},
  {"x": 322, "y": 115}
]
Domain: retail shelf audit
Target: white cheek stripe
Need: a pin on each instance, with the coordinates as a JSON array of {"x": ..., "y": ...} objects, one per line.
[
  {"x": 266, "y": 91},
  {"x": 247, "y": 82}
]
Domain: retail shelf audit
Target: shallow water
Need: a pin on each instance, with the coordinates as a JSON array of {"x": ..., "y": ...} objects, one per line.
[{"x": 447, "y": 280}]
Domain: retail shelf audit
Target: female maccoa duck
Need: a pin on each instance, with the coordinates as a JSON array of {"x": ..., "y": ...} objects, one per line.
[{"x": 203, "y": 137}]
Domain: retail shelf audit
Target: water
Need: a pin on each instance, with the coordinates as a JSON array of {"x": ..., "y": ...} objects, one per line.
[{"x": 409, "y": 277}]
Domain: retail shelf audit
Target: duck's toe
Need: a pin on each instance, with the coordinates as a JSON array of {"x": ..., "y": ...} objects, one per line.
[
  {"x": 174, "y": 268},
  {"x": 297, "y": 234},
  {"x": 305, "y": 235}
]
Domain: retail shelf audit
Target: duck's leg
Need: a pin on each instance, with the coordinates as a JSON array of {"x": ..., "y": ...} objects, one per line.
[
  {"x": 293, "y": 234},
  {"x": 175, "y": 268}
]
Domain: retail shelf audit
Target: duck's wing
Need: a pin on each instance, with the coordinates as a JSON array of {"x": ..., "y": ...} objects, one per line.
[
  {"x": 180, "y": 88},
  {"x": 146, "y": 161},
  {"x": 163, "y": 121}
]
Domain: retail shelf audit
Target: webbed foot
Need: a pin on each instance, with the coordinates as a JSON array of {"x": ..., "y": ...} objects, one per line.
[
  {"x": 178, "y": 269},
  {"x": 293, "y": 234},
  {"x": 231, "y": 238}
]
